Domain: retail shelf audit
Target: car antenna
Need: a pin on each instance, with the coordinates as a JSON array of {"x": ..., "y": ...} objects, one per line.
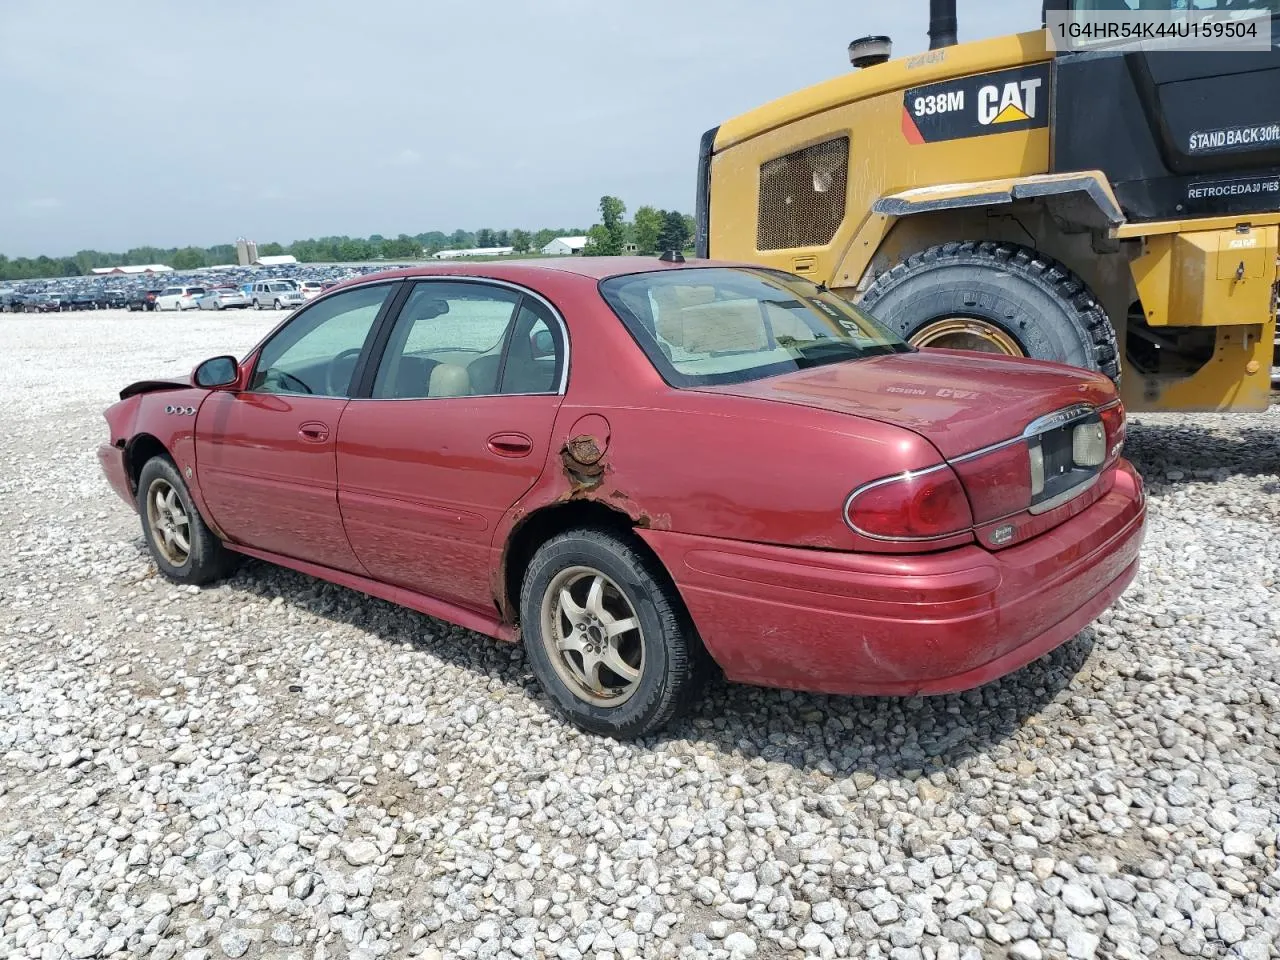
[{"x": 672, "y": 256}]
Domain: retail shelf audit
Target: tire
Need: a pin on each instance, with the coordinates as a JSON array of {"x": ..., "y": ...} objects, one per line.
[
  {"x": 205, "y": 558},
  {"x": 672, "y": 661},
  {"x": 278, "y": 305},
  {"x": 1039, "y": 304}
]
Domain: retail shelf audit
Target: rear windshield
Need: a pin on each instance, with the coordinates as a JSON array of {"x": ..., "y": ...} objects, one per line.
[{"x": 714, "y": 325}]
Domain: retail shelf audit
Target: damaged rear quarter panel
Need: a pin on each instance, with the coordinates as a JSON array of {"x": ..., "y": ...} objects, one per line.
[{"x": 726, "y": 467}]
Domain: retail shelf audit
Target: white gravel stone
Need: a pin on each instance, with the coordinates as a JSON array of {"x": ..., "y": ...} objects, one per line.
[
  {"x": 234, "y": 943},
  {"x": 1239, "y": 844},
  {"x": 276, "y": 767},
  {"x": 359, "y": 853},
  {"x": 1082, "y": 945},
  {"x": 1230, "y": 929},
  {"x": 1079, "y": 900}
]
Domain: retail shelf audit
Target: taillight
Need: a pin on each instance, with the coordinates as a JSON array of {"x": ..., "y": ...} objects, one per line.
[
  {"x": 999, "y": 482},
  {"x": 925, "y": 505},
  {"x": 1113, "y": 422}
]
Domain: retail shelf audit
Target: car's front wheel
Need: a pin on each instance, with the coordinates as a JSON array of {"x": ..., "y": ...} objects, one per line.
[
  {"x": 278, "y": 304},
  {"x": 181, "y": 543},
  {"x": 607, "y": 635}
]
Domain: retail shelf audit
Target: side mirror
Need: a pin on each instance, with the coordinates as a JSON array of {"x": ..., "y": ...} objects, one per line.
[
  {"x": 218, "y": 372},
  {"x": 543, "y": 344}
]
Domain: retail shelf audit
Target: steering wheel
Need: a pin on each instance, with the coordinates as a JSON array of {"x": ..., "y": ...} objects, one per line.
[
  {"x": 287, "y": 381},
  {"x": 337, "y": 378}
]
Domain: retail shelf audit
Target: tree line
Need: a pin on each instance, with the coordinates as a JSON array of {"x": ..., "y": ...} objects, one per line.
[{"x": 651, "y": 231}]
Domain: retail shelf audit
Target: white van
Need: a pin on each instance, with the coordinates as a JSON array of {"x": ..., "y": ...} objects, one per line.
[{"x": 179, "y": 298}]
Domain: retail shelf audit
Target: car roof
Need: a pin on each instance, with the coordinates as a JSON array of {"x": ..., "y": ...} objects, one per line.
[{"x": 527, "y": 271}]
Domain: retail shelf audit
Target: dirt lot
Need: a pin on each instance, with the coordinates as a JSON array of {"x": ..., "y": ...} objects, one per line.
[{"x": 276, "y": 767}]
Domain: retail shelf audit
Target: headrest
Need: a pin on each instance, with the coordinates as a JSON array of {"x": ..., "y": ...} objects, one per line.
[{"x": 449, "y": 380}]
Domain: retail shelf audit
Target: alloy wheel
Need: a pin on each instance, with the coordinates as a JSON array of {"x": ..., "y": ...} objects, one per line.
[
  {"x": 167, "y": 518},
  {"x": 592, "y": 636}
]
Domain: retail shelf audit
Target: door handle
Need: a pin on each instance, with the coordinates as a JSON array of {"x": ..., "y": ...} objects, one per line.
[
  {"x": 314, "y": 432},
  {"x": 510, "y": 445}
]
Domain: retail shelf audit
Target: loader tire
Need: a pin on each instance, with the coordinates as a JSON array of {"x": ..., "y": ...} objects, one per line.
[{"x": 996, "y": 298}]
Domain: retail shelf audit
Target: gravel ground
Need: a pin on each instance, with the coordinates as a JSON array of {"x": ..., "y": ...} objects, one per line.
[{"x": 280, "y": 768}]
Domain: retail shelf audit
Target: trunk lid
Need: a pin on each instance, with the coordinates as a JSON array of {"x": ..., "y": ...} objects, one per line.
[{"x": 959, "y": 401}]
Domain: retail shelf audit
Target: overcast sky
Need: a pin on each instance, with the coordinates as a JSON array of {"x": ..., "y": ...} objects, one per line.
[{"x": 131, "y": 122}]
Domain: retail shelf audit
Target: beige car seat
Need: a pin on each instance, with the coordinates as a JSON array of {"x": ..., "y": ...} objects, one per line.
[
  {"x": 449, "y": 380},
  {"x": 671, "y": 302}
]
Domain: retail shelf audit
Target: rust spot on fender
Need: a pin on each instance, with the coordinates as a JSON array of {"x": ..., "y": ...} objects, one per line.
[
  {"x": 581, "y": 458},
  {"x": 584, "y": 450}
]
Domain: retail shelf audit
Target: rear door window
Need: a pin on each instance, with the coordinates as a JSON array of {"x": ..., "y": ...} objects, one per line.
[{"x": 452, "y": 339}]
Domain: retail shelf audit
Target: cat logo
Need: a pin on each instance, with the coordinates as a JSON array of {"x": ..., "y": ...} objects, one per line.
[
  {"x": 1004, "y": 101},
  {"x": 1016, "y": 100}
]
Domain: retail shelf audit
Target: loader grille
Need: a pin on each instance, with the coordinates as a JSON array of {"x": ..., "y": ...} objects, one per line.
[{"x": 802, "y": 196}]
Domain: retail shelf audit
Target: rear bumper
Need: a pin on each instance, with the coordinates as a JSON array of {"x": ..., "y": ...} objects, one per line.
[
  {"x": 112, "y": 460},
  {"x": 849, "y": 623}
]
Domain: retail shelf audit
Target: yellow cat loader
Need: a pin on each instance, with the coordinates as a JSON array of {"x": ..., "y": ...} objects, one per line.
[{"x": 1116, "y": 210}]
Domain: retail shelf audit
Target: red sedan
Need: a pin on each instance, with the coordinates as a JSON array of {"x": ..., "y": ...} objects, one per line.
[{"x": 639, "y": 467}]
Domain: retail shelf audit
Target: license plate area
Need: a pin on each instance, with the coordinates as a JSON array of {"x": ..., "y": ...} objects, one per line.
[{"x": 1065, "y": 461}]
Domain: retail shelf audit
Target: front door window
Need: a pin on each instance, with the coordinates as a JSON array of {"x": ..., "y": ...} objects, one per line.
[{"x": 316, "y": 352}]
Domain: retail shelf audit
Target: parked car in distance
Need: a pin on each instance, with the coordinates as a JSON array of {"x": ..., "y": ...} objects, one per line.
[
  {"x": 223, "y": 298},
  {"x": 495, "y": 444},
  {"x": 179, "y": 298},
  {"x": 12, "y": 302},
  {"x": 111, "y": 299},
  {"x": 142, "y": 300},
  {"x": 79, "y": 300},
  {"x": 310, "y": 289},
  {"x": 276, "y": 295},
  {"x": 43, "y": 303}
]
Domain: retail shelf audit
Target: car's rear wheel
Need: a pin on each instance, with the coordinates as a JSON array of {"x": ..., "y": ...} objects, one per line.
[
  {"x": 181, "y": 543},
  {"x": 607, "y": 635}
]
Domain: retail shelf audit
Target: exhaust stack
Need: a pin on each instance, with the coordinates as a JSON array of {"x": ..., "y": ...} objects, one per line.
[{"x": 942, "y": 23}]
